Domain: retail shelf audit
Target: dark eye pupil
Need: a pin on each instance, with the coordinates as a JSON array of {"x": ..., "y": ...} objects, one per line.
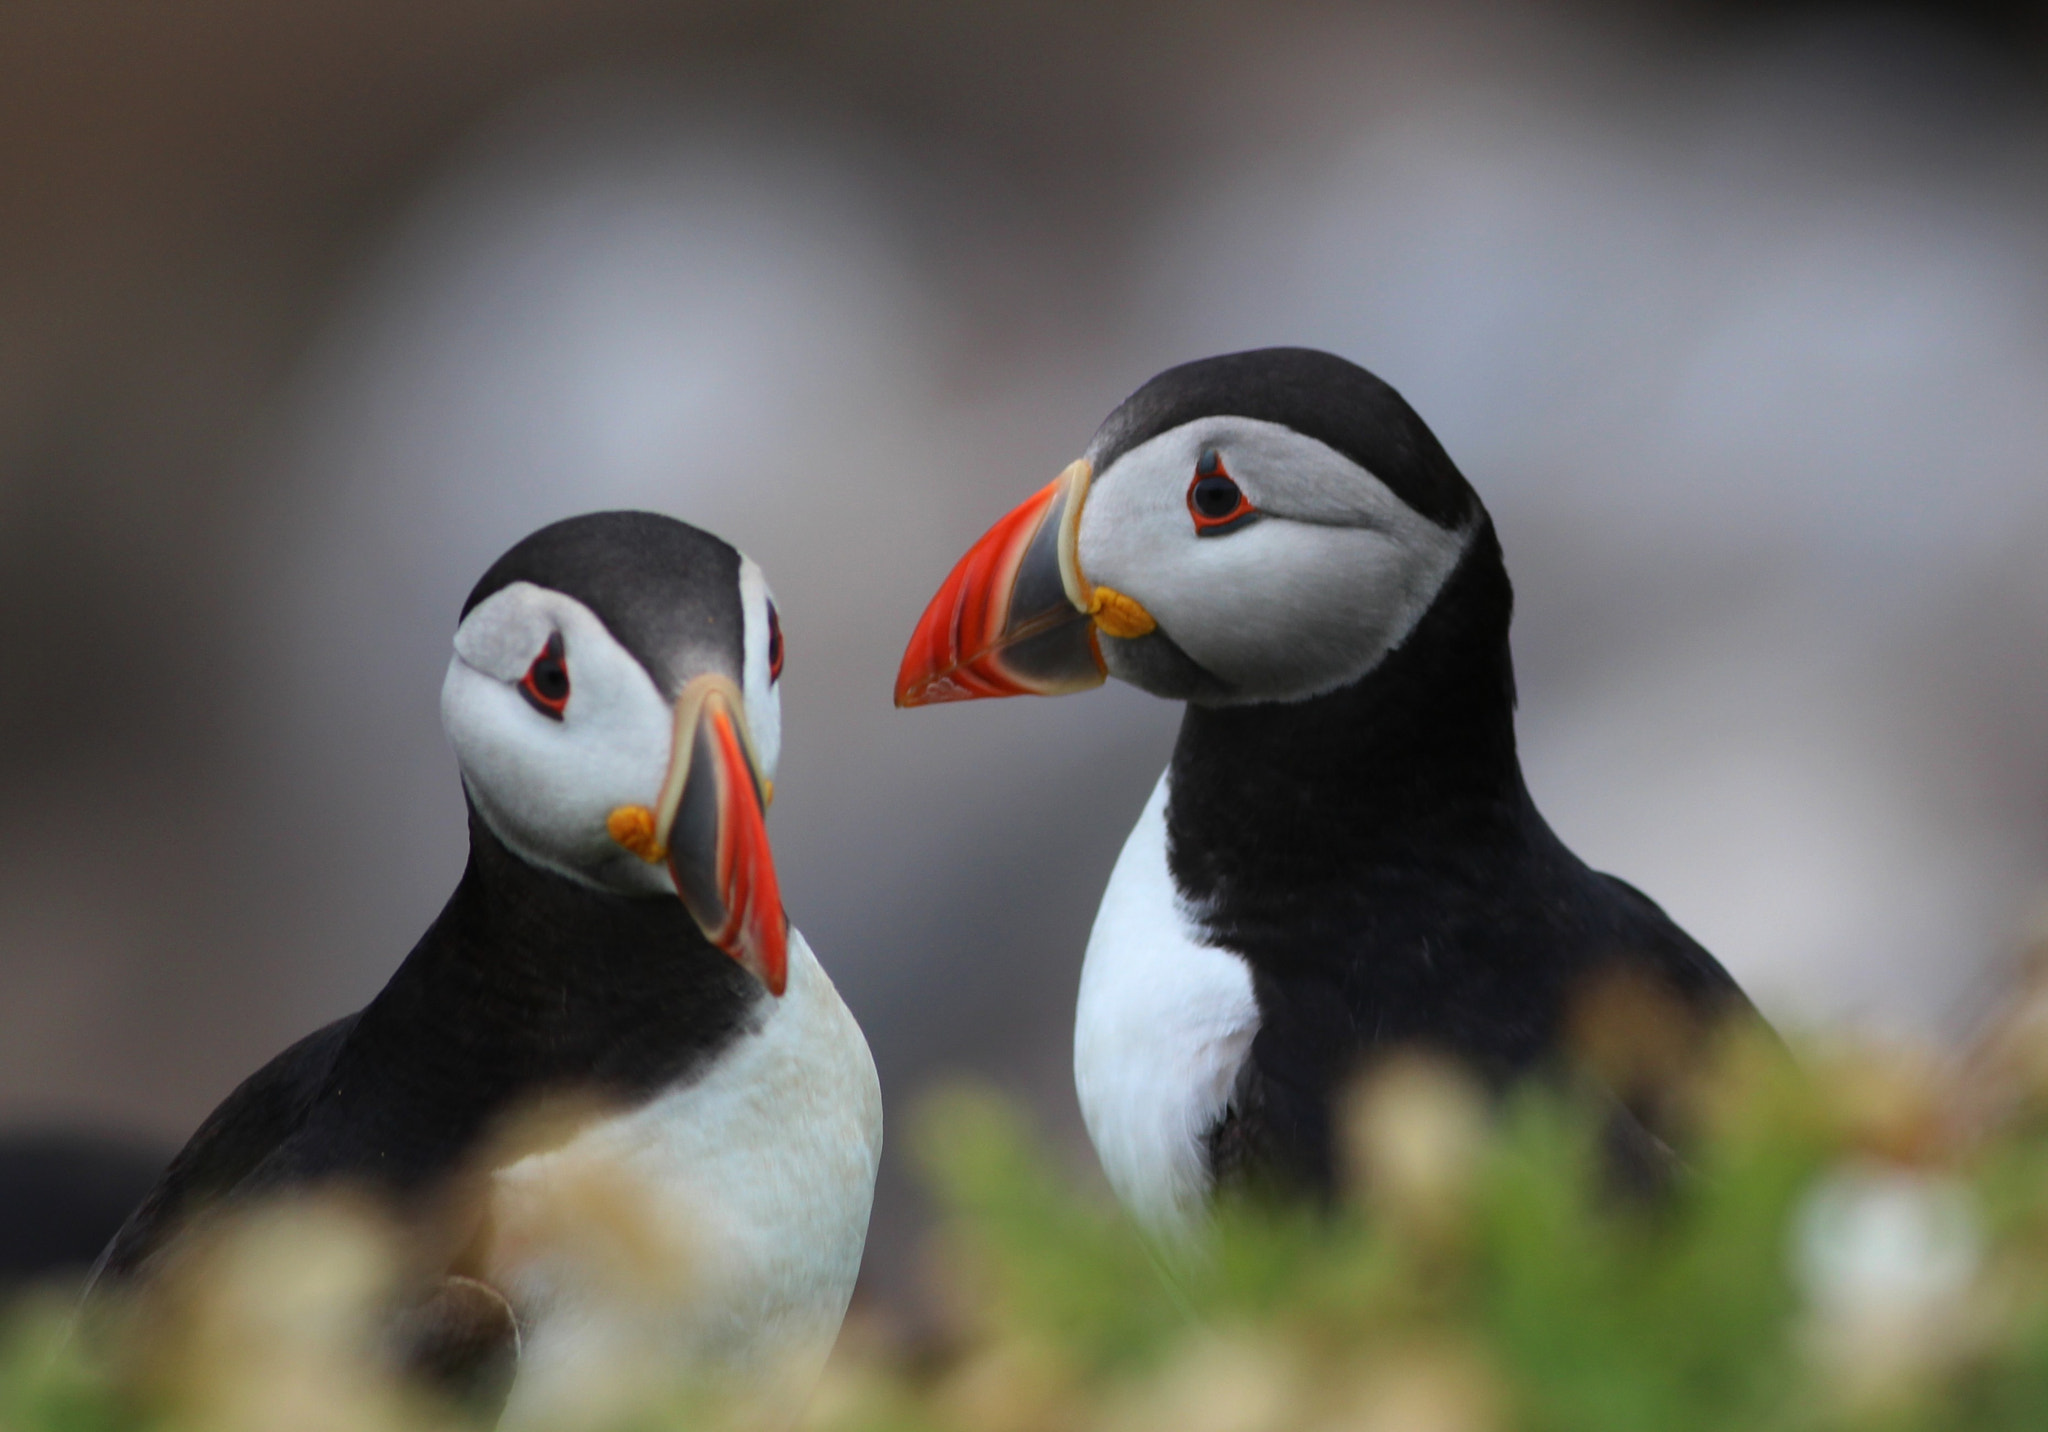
[
  {"x": 546, "y": 683},
  {"x": 774, "y": 644},
  {"x": 1216, "y": 496}
]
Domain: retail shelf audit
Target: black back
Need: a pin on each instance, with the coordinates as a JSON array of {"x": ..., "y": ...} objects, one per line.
[
  {"x": 527, "y": 986},
  {"x": 1373, "y": 854}
]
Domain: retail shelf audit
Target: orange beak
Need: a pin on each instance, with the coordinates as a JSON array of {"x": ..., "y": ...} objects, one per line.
[
  {"x": 708, "y": 827},
  {"x": 1012, "y": 619}
]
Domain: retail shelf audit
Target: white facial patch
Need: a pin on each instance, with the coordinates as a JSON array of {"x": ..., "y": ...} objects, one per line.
[
  {"x": 546, "y": 786},
  {"x": 1307, "y": 597},
  {"x": 763, "y": 692}
]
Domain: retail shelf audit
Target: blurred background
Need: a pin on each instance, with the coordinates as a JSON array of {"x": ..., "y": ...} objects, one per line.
[{"x": 1736, "y": 315}]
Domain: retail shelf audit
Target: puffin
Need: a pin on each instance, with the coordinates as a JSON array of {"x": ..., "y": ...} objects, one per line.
[
  {"x": 1342, "y": 859},
  {"x": 611, "y": 1009}
]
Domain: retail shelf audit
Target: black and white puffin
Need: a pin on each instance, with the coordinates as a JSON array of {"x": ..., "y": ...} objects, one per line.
[
  {"x": 617, "y": 941},
  {"x": 1342, "y": 856}
]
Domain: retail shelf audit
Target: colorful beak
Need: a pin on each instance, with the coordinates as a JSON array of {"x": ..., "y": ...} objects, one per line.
[
  {"x": 1013, "y": 617},
  {"x": 709, "y": 828}
]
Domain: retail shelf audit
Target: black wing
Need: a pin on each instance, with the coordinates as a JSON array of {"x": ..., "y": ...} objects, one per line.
[
  {"x": 460, "y": 1339},
  {"x": 1494, "y": 983},
  {"x": 262, "y": 1112},
  {"x": 1694, "y": 975}
]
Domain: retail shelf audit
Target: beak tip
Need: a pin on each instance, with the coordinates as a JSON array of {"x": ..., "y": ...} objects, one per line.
[
  {"x": 912, "y": 694},
  {"x": 768, "y": 961}
]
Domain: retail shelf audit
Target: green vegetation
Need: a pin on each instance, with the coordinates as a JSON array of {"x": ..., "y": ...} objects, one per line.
[{"x": 1862, "y": 1243}]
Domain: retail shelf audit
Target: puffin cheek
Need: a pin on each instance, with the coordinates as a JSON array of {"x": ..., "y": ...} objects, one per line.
[{"x": 1254, "y": 611}]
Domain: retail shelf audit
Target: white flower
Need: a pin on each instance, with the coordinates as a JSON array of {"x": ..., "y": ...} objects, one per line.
[{"x": 1887, "y": 1259}]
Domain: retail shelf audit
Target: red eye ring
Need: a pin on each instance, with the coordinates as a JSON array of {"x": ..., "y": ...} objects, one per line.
[
  {"x": 774, "y": 645},
  {"x": 546, "y": 683},
  {"x": 1215, "y": 501}
]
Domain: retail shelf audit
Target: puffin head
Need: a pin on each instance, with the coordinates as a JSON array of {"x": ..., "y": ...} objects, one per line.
[
  {"x": 1257, "y": 527},
  {"x": 613, "y": 703}
]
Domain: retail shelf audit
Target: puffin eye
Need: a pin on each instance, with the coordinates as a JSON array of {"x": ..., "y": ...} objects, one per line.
[
  {"x": 774, "y": 645},
  {"x": 1215, "y": 501},
  {"x": 546, "y": 683}
]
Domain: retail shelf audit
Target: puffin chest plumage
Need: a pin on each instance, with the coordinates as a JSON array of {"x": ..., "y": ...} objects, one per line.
[
  {"x": 1163, "y": 1026},
  {"x": 737, "y": 1202}
]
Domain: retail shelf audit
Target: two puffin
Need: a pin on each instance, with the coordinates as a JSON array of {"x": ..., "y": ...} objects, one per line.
[
  {"x": 1342, "y": 857},
  {"x": 618, "y": 942}
]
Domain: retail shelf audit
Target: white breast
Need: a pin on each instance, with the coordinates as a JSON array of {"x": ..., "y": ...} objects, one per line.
[
  {"x": 713, "y": 1232},
  {"x": 1163, "y": 1027}
]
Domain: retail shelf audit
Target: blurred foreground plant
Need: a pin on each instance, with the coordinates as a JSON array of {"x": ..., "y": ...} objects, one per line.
[{"x": 1860, "y": 1243}]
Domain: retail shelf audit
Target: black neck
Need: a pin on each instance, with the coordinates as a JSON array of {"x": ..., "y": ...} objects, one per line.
[
  {"x": 531, "y": 985},
  {"x": 1413, "y": 763}
]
